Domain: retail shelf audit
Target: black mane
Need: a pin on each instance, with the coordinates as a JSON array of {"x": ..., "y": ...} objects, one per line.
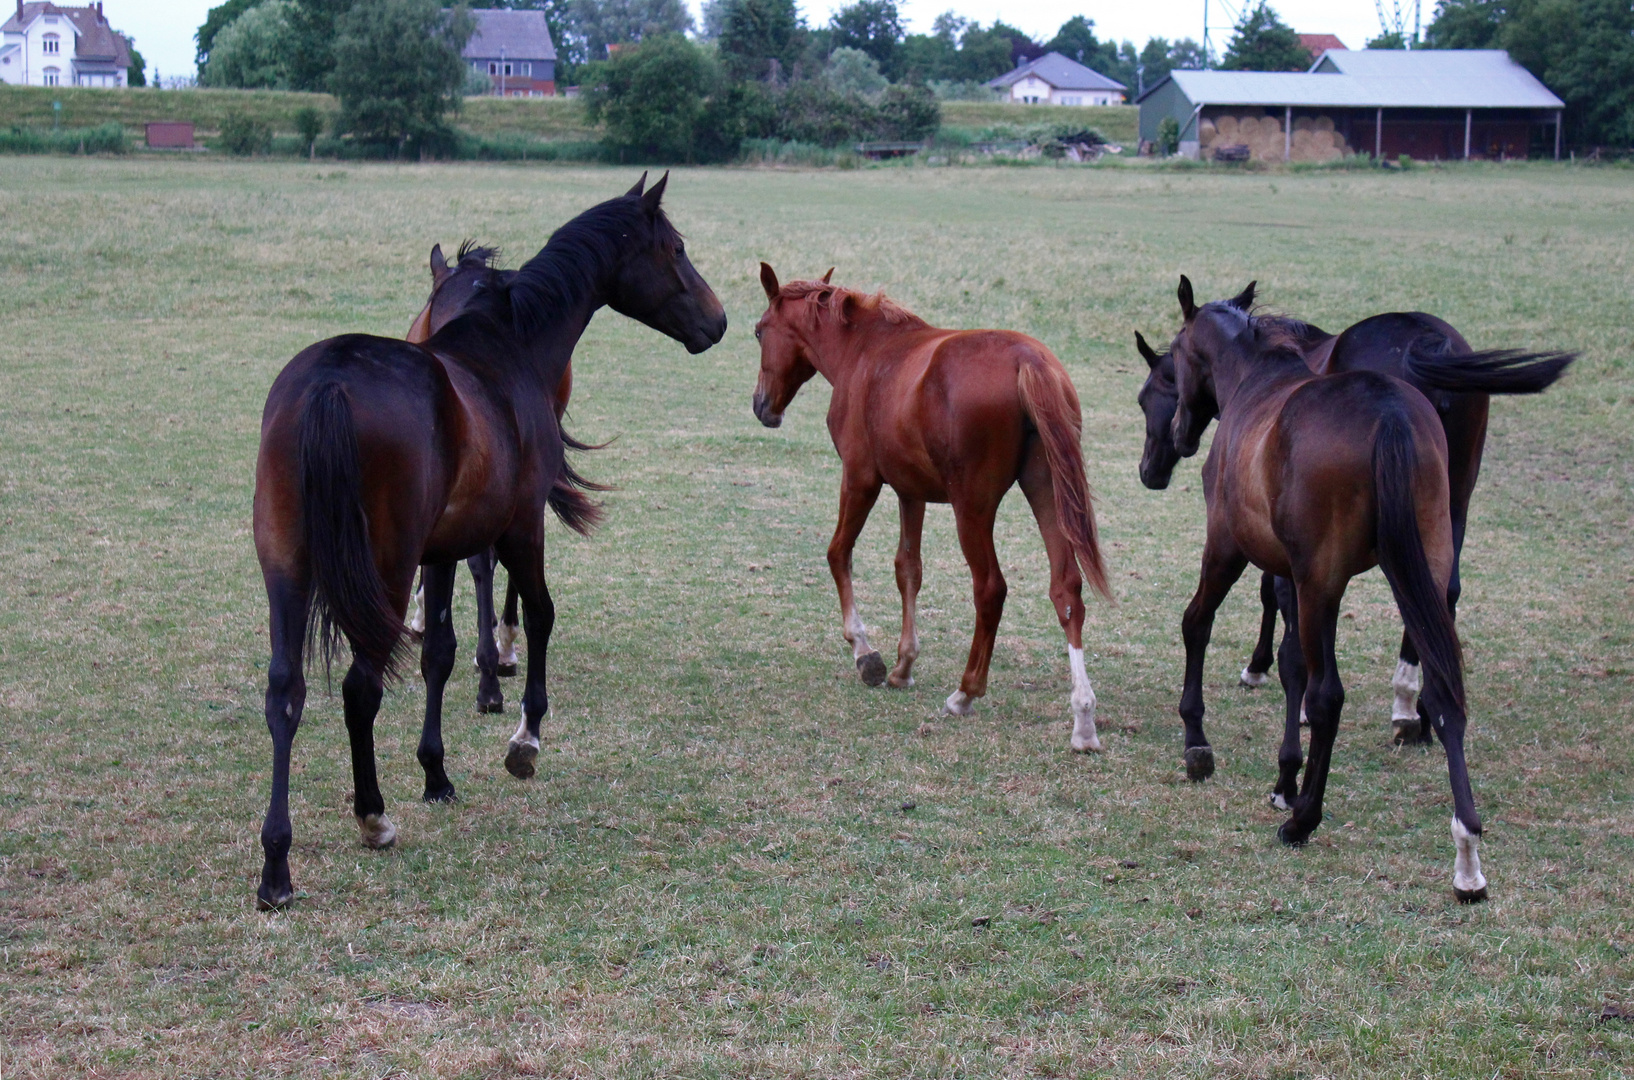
[{"x": 473, "y": 255}]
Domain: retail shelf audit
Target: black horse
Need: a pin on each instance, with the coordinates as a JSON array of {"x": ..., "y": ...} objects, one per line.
[
  {"x": 1403, "y": 344},
  {"x": 378, "y": 456}
]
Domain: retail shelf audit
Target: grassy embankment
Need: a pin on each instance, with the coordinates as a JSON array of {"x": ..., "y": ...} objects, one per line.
[{"x": 713, "y": 874}]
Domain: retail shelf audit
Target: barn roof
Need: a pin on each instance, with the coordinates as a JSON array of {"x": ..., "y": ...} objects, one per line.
[
  {"x": 519, "y": 35},
  {"x": 1059, "y": 72},
  {"x": 1378, "y": 78}
]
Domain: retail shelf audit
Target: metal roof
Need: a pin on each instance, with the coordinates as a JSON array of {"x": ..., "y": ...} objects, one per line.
[
  {"x": 1059, "y": 72},
  {"x": 520, "y": 35},
  {"x": 1379, "y": 78}
]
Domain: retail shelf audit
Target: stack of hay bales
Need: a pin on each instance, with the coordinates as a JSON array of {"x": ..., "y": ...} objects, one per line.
[{"x": 1314, "y": 137}]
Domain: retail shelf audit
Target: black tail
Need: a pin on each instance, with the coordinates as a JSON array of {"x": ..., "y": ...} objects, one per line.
[
  {"x": 1422, "y": 603},
  {"x": 567, "y": 498},
  {"x": 1431, "y": 362},
  {"x": 348, "y": 596}
]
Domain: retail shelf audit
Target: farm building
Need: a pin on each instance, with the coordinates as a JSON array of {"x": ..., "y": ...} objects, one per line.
[
  {"x": 1429, "y": 104},
  {"x": 515, "y": 50},
  {"x": 47, "y": 45},
  {"x": 1052, "y": 79}
]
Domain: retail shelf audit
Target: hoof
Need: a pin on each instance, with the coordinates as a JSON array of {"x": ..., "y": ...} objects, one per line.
[
  {"x": 506, "y": 671},
  {"x": 872, "y": 669},
  {"x": 901, "y": 682},
  {"x": 1404, "y": 731},
  {"x": 1470, "y": 896},
  {"x": 519, "y": 760},
  {"x": 1290, "y": 834},
  {"x": 272, "y": 901},
  {"x": 496, "y": 705},
  {"x": 378, "y": 831},
  {"x": 1199, "y": 763},
  {"x": 442, "y": 794},
  {"x": 1253, "y": 679},
  {"x": 958, "y": 703},
  {"x": 1091, "y": 745},
  {"x": 1278, "y": 802}
]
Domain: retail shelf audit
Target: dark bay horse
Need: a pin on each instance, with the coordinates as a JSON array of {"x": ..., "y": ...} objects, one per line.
[
  {"x": 1387, "y": 344},
  {"x": 378, "y": 456},
  {"x": 1318, "y": 478},
  {"x": 451, "y": 289},
  {"x": 956, "y": 416}
]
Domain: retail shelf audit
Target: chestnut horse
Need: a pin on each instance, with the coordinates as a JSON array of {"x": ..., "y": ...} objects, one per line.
[
  {"x": 451, "y": 288},
  {"x": 1318, "y": 478},
  {"x": 1388, "y": 344},
  {"x": 378, "y": 456},
  {"x": 942, "y": 416}
]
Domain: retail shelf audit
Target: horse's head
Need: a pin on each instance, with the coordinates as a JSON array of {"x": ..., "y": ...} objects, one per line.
[
  {"x": 452, "y": 287},
  {"x": 1208, "y": 333},
  {"x": 656, "y": 283},
  {"x": 785, "y": 363},
  {"x": 1158, "y": 399}
]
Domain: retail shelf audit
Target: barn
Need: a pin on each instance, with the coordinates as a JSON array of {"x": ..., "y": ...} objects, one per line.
[{"x": 1437, "y": 105}]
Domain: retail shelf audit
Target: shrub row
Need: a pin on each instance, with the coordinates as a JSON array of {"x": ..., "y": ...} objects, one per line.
[{"x": 101, "y": 139}]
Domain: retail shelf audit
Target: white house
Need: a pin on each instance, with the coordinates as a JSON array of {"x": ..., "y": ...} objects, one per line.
[
  {"x": 43, "y": 44},
  {"x": 1052, "y": 79}
]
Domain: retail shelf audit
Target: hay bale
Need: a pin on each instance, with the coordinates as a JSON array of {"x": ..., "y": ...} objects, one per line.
[
  {"x": 1206, "y": 132},
  {"x": 1324, "y": 123},
  {"x": 1248, "y": 129},
  {"x": 1303, "y": 123},
  {"x": 1227, "y": 127}
]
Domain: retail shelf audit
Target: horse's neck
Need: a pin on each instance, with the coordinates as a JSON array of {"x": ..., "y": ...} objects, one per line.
[
  {"x": 839, "y": 349},
  {"x": 1246, "y": 375}
]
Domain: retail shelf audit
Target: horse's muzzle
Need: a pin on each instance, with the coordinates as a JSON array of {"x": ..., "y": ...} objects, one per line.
[{"x": 763, "y": 411}]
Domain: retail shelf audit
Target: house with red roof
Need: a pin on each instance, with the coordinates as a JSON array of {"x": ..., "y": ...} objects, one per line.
[{"x": 44, "y": 44}]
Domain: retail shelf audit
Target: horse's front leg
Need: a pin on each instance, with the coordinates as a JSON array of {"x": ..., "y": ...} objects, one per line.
[
  {"x": 436, "y": 665},
  {"x": 505, "y": 634},
  {"x": 490, "y": 698},
  {"x": 910, "y": 571},
  {"x": 1259, "y": 664},
  {"x": 975, "y": 525},
  {"x": 856, "y": 500},
  {"x": 524, "y": 560},
  {"x": 1222, "y": 565}
]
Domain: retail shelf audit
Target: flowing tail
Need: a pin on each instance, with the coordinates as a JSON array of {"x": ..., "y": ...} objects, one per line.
[
  {"x": 567, "y": 498},
  {"x": 1431, "y": 363},
  {"x": 1422, "y": 603},
  {"x": 1049, "y": 401},
  {"x": 349, "y": 599}
]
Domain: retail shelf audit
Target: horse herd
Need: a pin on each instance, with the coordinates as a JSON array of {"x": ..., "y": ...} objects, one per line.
[{"x": 1333, "y": 454}]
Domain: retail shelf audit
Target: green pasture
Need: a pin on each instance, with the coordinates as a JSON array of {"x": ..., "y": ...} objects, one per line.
[{"x": 717, "y": 872}]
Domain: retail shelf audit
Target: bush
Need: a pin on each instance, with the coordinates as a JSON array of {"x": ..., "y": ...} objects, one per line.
[
  {"x": 245, "y": 135},
  {"x": 1168, "y": 136},
  {"x": 107, "y": 138},
  {"x": 906, "y": 113},
  {"x": 398, "y": 72}
]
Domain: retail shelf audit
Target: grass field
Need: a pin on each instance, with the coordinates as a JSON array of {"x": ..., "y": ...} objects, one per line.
[{"x": 714, "y": 874}]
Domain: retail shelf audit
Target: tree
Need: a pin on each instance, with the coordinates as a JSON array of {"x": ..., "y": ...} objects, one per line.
[
  {"x": 312, "y": 26},
  {"x": 651, "y": 99},
  {"x": 398, "y": 70},
  {"x": 1390, "y": 39},
  {"x": 137, "y": 73},
  {"x": 875, "y": 27},
  {"x": 1465, "y": 24},
  {"x": 1160, "y": 57},
  {"x": 623, "y": 22},
  {"x": 215, "y": 22},
  {"x": 1263, "y": 42},
  {"x": 754, "y": 33},
  {"x": 852, "y": 71},
  {"x": 309, "y": 123},
  {"x": 253, "y": 51}
]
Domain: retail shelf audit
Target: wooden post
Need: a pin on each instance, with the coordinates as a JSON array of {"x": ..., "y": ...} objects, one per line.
[
  {"x": 1378, "y": 137},
  {"x": 1469, "y": 121},
  {"x": 1557, "y": 134},
  {"x": 1288, "y": 133}
]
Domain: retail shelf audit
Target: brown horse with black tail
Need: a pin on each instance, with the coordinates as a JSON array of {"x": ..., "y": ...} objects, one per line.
[
  {"x": 1318, "y": 478},
  {"x": 955, "y": 416},
  {"x": 378, "y": 456}
]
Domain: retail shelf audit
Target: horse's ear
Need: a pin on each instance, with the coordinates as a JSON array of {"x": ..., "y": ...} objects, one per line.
[
  {"x": 828, "y": 276},
  {"x": 439, "y": 265},
  {"x": 1244, "y": 300},
  {"x": 649, "y": 201},
  {"x": 768, "y": 281},
  {"x": 848, "y": 308},
  {"x": 640, "y": 185},
  {"x": 1188, "y": 306},
  {"x": 1152, "y": 358}
]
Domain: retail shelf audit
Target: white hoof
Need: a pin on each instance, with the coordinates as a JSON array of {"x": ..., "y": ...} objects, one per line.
[
  {"x": 1279, "y": 802},
  {"x": 1089, "y": 745},
  {"x": 417, "y": 621},
  {"x": 1467, "y": 880},
  {"x": 378, "y": 831},
  {"x": 1405, "y": 683},
  {"x": 1254, "y": 679},
  {"x": 959, "y": 704},
  {"x": 1084, "y": 739}
]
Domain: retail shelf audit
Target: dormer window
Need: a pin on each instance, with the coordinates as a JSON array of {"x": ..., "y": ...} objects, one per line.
[{"x": 51, "y": 44}]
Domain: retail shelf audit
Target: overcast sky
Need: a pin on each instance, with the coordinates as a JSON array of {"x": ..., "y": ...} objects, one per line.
[{"x": 164, "y": 29}]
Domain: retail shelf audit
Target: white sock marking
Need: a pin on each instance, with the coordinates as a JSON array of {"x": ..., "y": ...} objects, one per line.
[
  {"x": 505, "y": 638},
  {"x": 377, "y": 830},
  {"x": 1466, "y": 865},
  {"x": 523, "y": 736},
  {"x": 958, "y": 704},
  {"x": 1254, "y": 678},
  {"x": 1084, "y": 737},
  {"x": 857, "y": 633},
  {"x": 417, "y": 621},
  {"x": 1406, "y": 683}
]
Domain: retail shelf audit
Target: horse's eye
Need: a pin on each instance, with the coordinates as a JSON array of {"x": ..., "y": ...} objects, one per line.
[
  {"x": 680, "y": 248},
  {"x": 757, "y": 333}
]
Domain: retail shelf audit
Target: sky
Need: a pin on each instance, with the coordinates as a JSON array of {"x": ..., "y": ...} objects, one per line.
[{"x": 164, "y": 29}]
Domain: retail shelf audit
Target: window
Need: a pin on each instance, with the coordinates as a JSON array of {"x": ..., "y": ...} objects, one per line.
[
  {"x": 51, "y": 75},
  {"x": 496, "y": 68},
  {"x": 527, "y": 69},
  {"x": 51, "y": 44}
]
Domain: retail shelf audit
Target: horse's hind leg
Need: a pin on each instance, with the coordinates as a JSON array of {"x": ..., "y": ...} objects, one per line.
[
  {"x": 1291, "y": 668},
  {"x": 436, "y": 664},
  {"x": 1222, "y": 565},
  {"x": 856, "y": 500},
  {"x": 506, "y": 631},
  {"x": 1405, "y": 724},
  {"x": 490, "y": 698},
  {"x": 975, "y": 524},
  {"x": 1067, "y": 594},
  {"x": 1324, "y": 701},
  {"x": 360, "y": 693},
  {"x": 909, "y": 574},
  {"x": 286, "y": 698},
  {"x": 1260, "y": 663},
  {"x": 525, "y": 562}
]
